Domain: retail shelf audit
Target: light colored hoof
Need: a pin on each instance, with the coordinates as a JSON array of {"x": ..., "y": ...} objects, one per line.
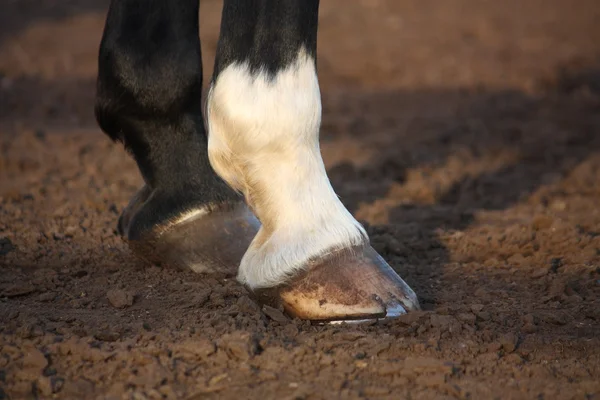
[{"x": 349, "y": 285}]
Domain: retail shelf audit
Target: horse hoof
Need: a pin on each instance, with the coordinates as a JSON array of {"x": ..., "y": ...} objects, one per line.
[
  {"x": 204, "y": 239},
  {"x": 348, "y": 285}
]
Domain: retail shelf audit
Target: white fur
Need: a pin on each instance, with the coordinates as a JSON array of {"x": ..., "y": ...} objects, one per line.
[{"x": 264, "y": 133}]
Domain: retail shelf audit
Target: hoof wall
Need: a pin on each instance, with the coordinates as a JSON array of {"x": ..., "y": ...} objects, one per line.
[
  {"x": 204, "y": 241},
  {"x": 349, "y": 285}
]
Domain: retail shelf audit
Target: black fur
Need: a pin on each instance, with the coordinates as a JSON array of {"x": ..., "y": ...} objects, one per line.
[
  {"x": 149, "y": 97},
  {"x": 266, "y": 34},
  {"x": 150, "y": 82}
]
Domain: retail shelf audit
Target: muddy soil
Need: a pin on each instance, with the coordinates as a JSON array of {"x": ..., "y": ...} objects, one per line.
[{"x": 465, "y": 135}]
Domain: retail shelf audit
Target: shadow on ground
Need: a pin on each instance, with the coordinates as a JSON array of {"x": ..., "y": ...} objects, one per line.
[{"x": 467, "y": 152}]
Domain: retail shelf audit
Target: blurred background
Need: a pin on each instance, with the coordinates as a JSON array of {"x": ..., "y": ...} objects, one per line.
[{"x": 50, "y": 47}]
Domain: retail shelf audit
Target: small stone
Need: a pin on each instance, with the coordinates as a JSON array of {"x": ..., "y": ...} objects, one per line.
[{"x": 119, "y": 298}]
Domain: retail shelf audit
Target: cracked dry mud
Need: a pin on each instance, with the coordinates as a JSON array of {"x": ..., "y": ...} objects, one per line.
[{"x": 465, "y": 135}]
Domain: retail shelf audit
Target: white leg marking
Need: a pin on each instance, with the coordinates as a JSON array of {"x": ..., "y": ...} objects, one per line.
[{"x": 264, "y": 142}]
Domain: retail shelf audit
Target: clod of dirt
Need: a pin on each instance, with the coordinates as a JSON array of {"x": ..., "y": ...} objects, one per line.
[
  {"x": 246, "y": 305},
  {"x": 509, "y": 342},
  {"x": 411, "y": 317},
  {"x": 237, "y": 346},
  {"x": 275, "y": 314},
  {"x": 467, "y": 317},
  {"x": 58, "y": 236},
  {"x": 538, "y": 273},
  {"x": 193, "y": 350},
  {"x": 47, "y": 296},
  {"x": 107, "y": 336},
  {"x": 34, "y": 358},
  {"x": 483, "y": 315},
  {"x": 513, "y": 358},
  {"x": 445, "y": 323},
  {"x": 476, "y": 308},
  {"x": 529, "y": 325},
  {"x": 19, "y": 289},
  {"x": 201, "y": 297},
  {"x": 119, "y": 298}
]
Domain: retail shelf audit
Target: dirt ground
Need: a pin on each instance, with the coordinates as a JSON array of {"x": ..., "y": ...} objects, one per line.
[{"x": 464, "y": 134}]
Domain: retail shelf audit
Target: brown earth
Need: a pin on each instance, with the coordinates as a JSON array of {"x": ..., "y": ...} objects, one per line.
[{"x": 465, "y": 134}]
